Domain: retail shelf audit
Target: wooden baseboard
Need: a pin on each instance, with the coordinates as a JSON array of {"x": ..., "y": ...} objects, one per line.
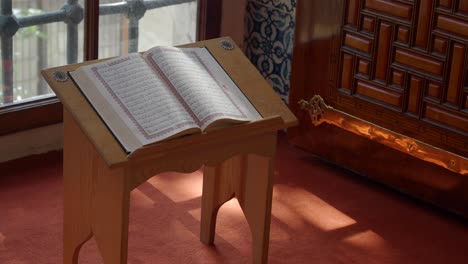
[{"x": 406, "y": 173}]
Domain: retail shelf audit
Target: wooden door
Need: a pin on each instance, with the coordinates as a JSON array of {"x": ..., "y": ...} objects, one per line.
[{"x": 400, "y": 64}]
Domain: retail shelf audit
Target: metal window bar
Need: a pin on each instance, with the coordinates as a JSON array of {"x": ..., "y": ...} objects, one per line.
[{"x": 72, "y": 14}]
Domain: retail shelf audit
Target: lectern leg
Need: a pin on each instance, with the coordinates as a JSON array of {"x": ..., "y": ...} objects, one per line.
[
  {"x": 217, "y": 190},
  {"x": 96, "y": 199},
  {"x": 77, "y": 178},
  {"x": 250, "y": 179},
  {"x": 255, "y": 198},
  {"x": 109, "y": 217}
]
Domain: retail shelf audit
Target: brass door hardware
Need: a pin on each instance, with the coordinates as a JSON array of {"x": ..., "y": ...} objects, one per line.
[{"x": 321, "y": 113}]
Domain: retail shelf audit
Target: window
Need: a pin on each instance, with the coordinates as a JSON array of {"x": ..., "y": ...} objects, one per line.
[
  {"x": 30, "y": 43},
  {"x": 38, "y": 34}
]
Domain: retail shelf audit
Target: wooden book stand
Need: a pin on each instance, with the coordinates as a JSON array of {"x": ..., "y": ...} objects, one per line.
[{"x": 99, "y": 175}]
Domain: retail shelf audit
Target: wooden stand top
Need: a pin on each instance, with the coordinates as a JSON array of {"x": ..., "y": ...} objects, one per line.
[{"x": 276, "y": 115}]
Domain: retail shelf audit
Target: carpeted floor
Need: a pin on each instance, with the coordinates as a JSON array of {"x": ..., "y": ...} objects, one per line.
[{"x": 321, "y": 214}]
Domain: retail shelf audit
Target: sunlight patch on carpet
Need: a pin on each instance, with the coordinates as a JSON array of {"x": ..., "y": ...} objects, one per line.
[
  {"x": 301, "y": 205},
  {"x": 140, "y": 199},
  {"x": 367, "y": 240},
  {"x": 179, "y": 187},
  {"x": 2, "y": 241},
  {"x": 196, "y": 213}
]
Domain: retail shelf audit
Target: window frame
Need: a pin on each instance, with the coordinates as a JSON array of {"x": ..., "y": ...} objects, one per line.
[{"x": 48, "y": 110}]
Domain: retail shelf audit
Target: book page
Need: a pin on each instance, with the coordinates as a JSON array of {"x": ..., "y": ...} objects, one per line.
[
  {"x": 146, "y": 107},
  {"x": 193, "y": 77},
  {"x": 229, "y": 87}
]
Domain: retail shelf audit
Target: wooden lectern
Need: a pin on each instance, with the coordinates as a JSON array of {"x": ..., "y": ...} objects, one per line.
[{"x": 99, "y": 175}]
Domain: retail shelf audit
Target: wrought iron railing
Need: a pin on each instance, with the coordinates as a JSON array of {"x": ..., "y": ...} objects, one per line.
[{"x": 71, "y": 14}]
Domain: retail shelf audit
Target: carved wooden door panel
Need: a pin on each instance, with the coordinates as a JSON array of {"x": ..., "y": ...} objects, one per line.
[
  {"x": 402, "y": 64},
  {"x": 397, "y": 64}
]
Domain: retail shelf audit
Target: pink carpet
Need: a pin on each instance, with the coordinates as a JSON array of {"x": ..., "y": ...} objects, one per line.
[{"x": 321, "y": 214}]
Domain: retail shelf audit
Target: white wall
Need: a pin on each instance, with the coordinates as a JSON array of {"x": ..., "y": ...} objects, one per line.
[{"x": 30, "y": 142}]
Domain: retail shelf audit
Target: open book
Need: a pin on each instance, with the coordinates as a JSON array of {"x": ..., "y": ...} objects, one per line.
[{"x": 163, "y": 93}]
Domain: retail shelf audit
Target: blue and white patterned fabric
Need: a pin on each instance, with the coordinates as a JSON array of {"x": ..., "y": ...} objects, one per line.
[{"x": 269, "y": 40}]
